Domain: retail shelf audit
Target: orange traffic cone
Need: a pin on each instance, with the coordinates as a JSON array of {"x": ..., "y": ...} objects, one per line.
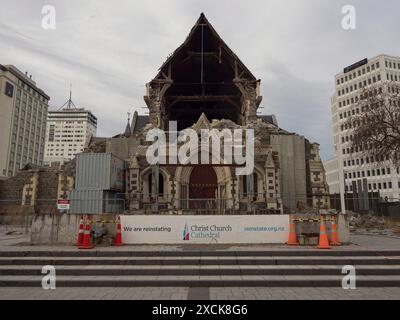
[
  {"x": 323, "y": 239},
  {"x": 79, "y": 241},
  {"x": 292, "y": 241},
  {"x": 334, "y": 233},
  {"x": 86, "y": 237},
  {"x": 118, "y": 236}
]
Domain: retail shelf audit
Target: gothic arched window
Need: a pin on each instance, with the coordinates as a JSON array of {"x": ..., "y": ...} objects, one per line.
[
  {"x": 160, "y": 184},
  {"x": 247, "y": 188}
]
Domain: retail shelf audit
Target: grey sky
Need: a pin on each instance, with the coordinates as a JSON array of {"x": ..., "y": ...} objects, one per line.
[{"x": 108, "y": 50}]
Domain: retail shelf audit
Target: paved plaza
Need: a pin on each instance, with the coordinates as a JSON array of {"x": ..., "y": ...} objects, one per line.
[
  {"x": 15, "y": 242},
  {"x": 202, "y": 294}
]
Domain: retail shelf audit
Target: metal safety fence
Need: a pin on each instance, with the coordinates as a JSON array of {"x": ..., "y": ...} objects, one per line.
[{"x": 167, "y": 204}]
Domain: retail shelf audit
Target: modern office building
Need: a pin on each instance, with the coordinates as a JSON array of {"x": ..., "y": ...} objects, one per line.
[
  {"x": 68, "y": 132},
  {"x": 332, "y": 175},
  {"x": 23, "y": 113},
  {"x": 352, "y": 167}
]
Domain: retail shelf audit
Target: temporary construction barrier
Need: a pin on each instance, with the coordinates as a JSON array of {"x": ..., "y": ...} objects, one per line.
[
  {"x": 96, "y": 202},
  {"x": 292, "y": 241},
  {"x": 79, "y": 240},
  {"x": 323, "y": 238},
  {"x": 118, "y": 236},
  {"x": 86, "y": 237},
  {"x": 334, "y": 233},
  {"x": 99, "y": 171},
  {"x": 196, "y": 229}
]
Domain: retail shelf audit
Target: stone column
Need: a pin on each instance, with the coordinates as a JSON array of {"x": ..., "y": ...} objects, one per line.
[
  {"x": 271, "y": 174},
  {"x": 133, "y": 184},
  {"x": 250, "y": 99},
  {"x": 171, "y": 200},
  {"x": 29, "y": 191},
  {"x": 235, "y": 192},
  {"x": 155, "y": 101}
]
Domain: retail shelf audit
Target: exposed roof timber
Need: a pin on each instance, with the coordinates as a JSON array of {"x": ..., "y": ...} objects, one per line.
[
  {"x": 162, "y": 81},
  {"x": 202, "y": 21},
  {"x": 212, "y": 53},
  {"x": 228, "y": 98},
  {"x": 189, "y": 111},
  {"x": 167, "y": 76},
  {"x": 205, "y": 54},
  {"x": 204, "y": 98}
]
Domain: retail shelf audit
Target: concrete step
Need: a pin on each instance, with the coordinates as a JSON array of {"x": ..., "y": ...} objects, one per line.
[
  {"x": 247, "y": 268},
  {"x": 203, "y": 260},
  {"x": 131, "y": 252},
  {"x": 117, "y": 270},
  {"x": 201, "y": 281}
]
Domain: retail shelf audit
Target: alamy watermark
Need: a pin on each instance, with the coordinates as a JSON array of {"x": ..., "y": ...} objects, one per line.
[
  {"x": 349, "y": 21},
  {"x": 349, "y": 280},
  {"x": 49, "y": 280},
  {"x": 49, "y": 17},
  {"x": 188, "y": 148}
]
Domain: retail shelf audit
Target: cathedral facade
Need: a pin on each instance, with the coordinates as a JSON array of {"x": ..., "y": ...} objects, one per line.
[{"x": 204, "y": 85}]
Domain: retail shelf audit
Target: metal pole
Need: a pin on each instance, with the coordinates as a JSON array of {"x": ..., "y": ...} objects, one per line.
[
  {"x": 202, "y": 60},
  {"x": 155, "y": 184},
  {"x": 341, "y": 184}
]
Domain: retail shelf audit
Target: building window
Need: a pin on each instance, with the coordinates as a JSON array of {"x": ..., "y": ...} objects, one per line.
[
  {"x": 51, "y": 133},
  {"x": 160, "y": 185},
  {"x": 9, "y": 90},
  {"x": 246, "y": 186}
]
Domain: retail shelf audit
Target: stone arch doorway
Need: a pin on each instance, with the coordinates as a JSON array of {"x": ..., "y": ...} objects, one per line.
[{"x": 203, "y": 187}]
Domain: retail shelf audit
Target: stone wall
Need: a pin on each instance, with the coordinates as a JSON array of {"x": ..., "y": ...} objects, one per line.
[
  {"x": 317, "y": 187},
  {"x": 63, "y": 228},
  {"x": 311, "y": 225},
  {"x": 123, "y": 148},
  {"x": 36, "y": 190},
  {"x": 20, "y": 217},
  {"x": 47, "y": 192},
  {"x": 291, "y": 150},
  {"x": 11, "y": 189}
]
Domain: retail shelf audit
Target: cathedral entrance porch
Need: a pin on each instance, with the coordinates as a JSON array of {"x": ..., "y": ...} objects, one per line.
[{"x": 203, "y": 188}]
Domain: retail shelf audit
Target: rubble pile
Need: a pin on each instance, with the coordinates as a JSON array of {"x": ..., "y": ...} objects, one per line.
[
  {"x": 396, "y": 230},
  {"x": 224, "y": 124},
  {"x": 309, "y": 215},
  {"x": 367, "y": 221}
]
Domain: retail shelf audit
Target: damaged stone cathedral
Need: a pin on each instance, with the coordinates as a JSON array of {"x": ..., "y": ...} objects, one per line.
[{"x": 202, "y": 85}]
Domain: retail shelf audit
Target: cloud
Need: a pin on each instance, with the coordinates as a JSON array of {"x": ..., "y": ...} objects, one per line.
[{"x": 108, "y": 50}]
